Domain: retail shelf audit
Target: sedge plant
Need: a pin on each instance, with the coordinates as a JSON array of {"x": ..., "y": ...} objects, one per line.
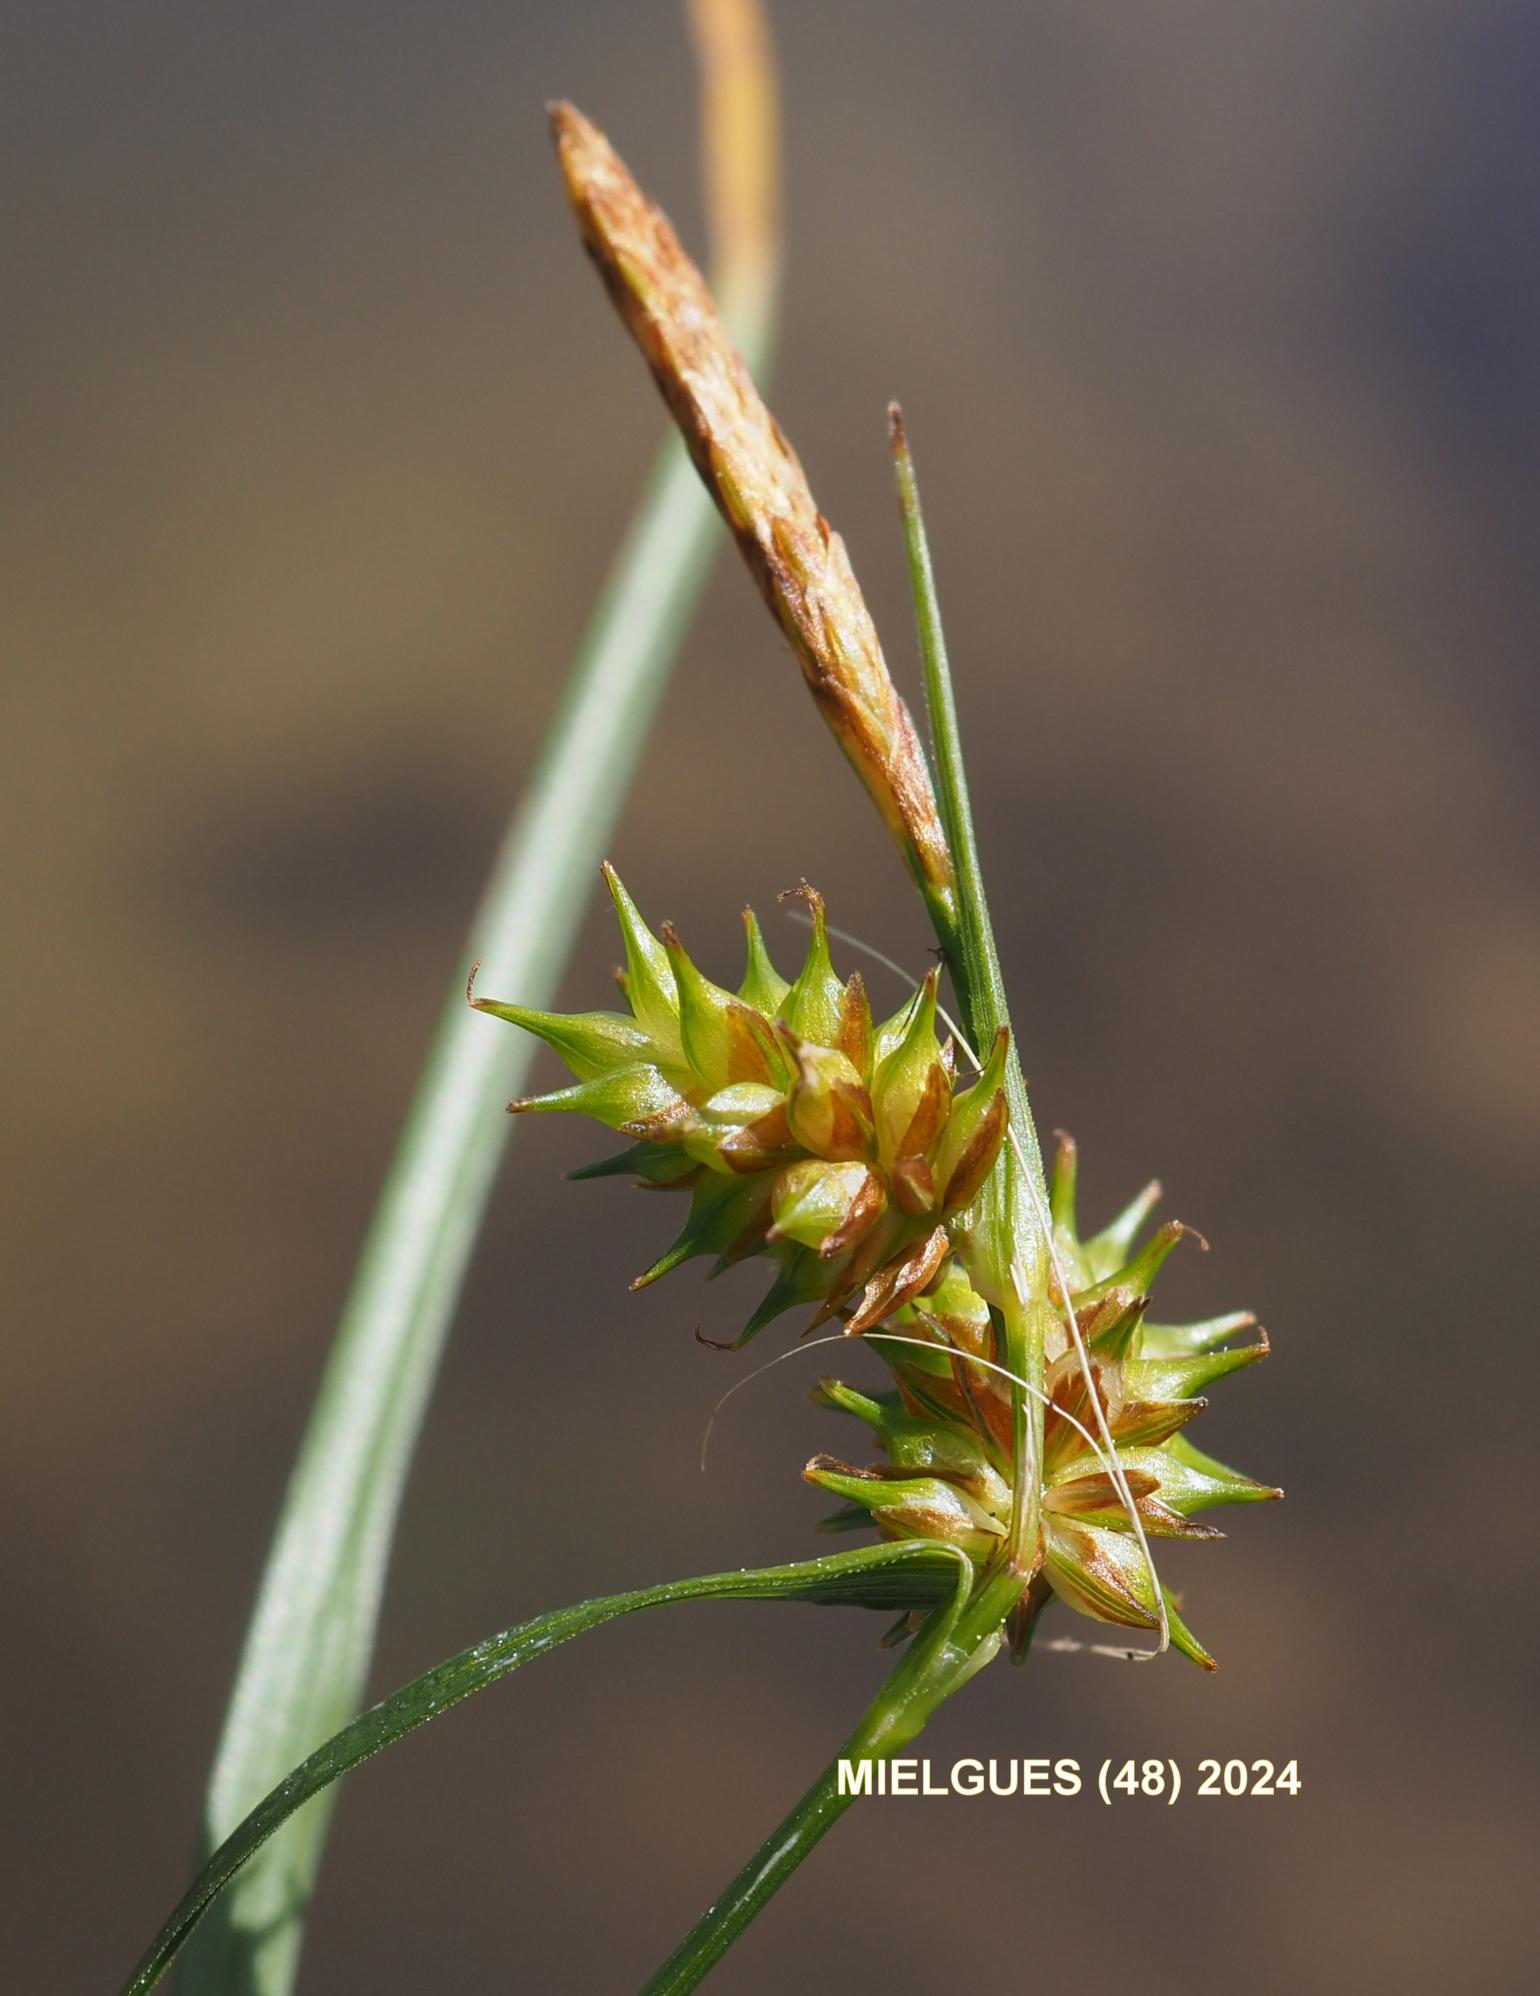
[{"x": 1032, "y": 1449}]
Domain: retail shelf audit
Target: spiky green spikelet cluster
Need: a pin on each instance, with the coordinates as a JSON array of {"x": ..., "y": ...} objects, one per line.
[
  {"x": 947, "y": 1431},
  {"x": 843, "y": 1149},
  {"x": 798, "y": 1126}
]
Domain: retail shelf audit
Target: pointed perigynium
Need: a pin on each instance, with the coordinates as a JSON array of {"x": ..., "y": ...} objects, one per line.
[
  {"x": 947, "y": 1431},
  {"x": 795, "y": 557},
  {"x": 798, "y": 1126}
]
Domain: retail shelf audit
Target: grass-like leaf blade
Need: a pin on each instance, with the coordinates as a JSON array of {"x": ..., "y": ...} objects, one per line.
[
  {"x": 908, "y": 1575},
  {"x": 304, "y": 1664}
]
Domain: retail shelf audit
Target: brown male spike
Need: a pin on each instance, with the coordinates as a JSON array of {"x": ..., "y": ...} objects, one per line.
[{"x": 798, "y": 561}]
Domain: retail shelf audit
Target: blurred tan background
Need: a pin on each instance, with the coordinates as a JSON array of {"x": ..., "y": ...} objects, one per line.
[{"x": 1216, "y": 325}]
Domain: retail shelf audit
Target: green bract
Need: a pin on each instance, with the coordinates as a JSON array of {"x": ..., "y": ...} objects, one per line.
[{"x": 799, "y": 1127}]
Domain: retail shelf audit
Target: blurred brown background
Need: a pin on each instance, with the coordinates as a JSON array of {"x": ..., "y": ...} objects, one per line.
[{"x": 1216, "y": 325}]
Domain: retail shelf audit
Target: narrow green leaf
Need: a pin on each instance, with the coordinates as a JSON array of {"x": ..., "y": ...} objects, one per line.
[
  {"x": 887, "y": 1577},
  {"x": 1013, "y": 1207},
  {"x": 972, "y": 954},
  {"x": 305, "y": 1661}
]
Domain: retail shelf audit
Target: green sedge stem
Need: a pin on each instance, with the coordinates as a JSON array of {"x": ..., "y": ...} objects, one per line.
[
  {"x": 953, "y": 1643},
  {"x": 974, "y": 962},
  {"x": 755, "y": 1885}
]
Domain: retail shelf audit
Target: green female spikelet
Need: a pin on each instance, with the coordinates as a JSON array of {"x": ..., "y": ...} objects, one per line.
[
  {"x": 799, "y": 1127},
  {"x": 947, "y": 1431},
  {"x": 843, "y": 1149}
]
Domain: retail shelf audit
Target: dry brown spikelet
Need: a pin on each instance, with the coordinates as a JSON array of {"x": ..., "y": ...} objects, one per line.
[{"x": 797, "y": 559}]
